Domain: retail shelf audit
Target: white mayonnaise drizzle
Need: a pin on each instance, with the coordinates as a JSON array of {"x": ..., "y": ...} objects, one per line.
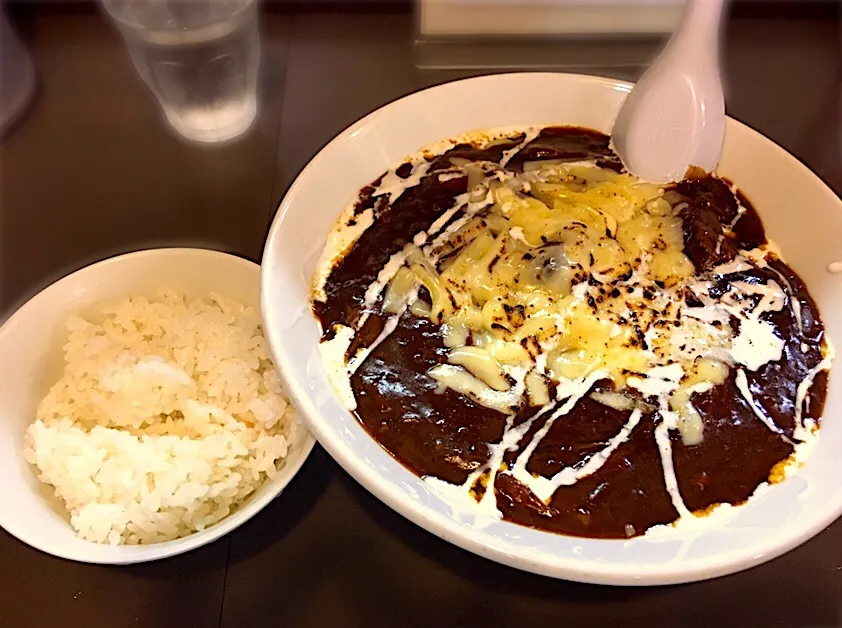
[
  {"x": 421, "y": 238},
  {"x": 756, "y": 343},
  {"x": 669, "y": 421},
  {"x": 386, "y": 274},
  {"x": 530, "y": 134},
  {"x": 793, "y": 299},
  {"x": 393, "y": 185},
  {"x": 736, "y": 265},
  {"x": 570, "y": 392},
  {"x": 340, "y": 241},
  {"x": 391, "y": 324},
  {"x": 804, "y": 387},
  {"x": 333, "y": 353},
  {"x": 571, "y": 475},
  {"x": 471, "y": 209},
  {"x": 659, "y": 381},
  {"x": 742, "y": 385}
]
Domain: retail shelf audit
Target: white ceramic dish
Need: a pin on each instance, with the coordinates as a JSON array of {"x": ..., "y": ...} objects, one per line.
[
  {"x": 31, "y": 360},
  {"x": 798, "y": 210}
]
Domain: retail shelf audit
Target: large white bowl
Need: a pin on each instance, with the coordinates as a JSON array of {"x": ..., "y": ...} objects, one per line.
[
  {"x": 31, "y": 361},
  {"x": 799, "y": 211}
]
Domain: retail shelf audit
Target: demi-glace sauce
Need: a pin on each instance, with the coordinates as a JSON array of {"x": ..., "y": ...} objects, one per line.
[{"x": 446, "y": 435}]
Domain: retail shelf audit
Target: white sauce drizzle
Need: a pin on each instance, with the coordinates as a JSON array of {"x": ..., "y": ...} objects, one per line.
[
  {"x": 442, "y": 220},
  {"x": 742, "y": 385},
  {"x": 571, "y": 475},
  {"x": 449, "y": 176},
  {"x": 386, "y": 274},
  {"x": 659, "y": 381},
  {"x": 453, "y": 227},
  {"x": 804, "y": 388},
  {"x": 333, "y": 353},
  {"x": 756, "y": 343},
  {"x": 740, "y": 212},
  {"x": 393, "y": 185},
  {"x": 397, "y": 260},
  {"x": 729, "y": 228},
  {"x": 570, "y": 393},
  {"x": 669, "y": 421},
  {"x": 360, "y": 357},
  {"x": 530, "y": 134},
  {"x": 461, "y": 492},
  {"x": 793, "y": 299},
  {"x": 736, "y": 265},
  {"x": 339, "y": 241}
]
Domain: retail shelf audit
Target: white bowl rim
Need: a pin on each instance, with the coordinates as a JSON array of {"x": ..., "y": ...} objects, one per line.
[
  {"x": 448, "y": 528},
  {"x": 132, "y": 554}
]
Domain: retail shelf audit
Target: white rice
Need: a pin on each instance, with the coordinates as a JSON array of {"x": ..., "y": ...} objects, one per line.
[{"x": 169, "y": 415}]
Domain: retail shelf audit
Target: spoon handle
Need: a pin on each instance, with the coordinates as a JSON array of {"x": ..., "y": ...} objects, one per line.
[{"x": 698, "y": 31}]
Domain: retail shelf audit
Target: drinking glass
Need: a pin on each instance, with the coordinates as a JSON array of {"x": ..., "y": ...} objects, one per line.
[{"x": 199, "y": 57}]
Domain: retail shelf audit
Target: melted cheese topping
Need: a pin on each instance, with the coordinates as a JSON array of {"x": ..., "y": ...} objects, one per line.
[{"x": 582, "y": 268}]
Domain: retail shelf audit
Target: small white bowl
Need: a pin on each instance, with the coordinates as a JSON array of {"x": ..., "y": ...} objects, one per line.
[
  {"x": 31, "y": 361},
  {"x": 798, "y": 210}
]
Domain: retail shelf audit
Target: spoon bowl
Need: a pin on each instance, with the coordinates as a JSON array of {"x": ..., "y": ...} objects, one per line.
[{"x": 674, "y": 117}]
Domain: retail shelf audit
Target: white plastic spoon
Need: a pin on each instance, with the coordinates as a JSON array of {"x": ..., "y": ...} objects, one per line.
[{"x": 675, "y": 115}]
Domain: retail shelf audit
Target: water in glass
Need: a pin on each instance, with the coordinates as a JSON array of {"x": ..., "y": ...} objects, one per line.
[{"x": 199, "y": 57}]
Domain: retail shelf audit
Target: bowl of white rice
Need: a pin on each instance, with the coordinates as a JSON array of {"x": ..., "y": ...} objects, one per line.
[{"x": 140, "y": 413}]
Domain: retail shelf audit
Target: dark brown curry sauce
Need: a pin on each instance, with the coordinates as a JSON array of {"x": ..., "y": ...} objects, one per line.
[{"x": 446, "y": 435}]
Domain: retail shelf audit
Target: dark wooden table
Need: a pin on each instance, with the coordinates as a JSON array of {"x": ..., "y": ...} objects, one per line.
[{"x": 92, "y": 171}]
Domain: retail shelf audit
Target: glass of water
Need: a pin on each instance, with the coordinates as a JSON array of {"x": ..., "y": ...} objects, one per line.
[{"x": 199, "y": 57}]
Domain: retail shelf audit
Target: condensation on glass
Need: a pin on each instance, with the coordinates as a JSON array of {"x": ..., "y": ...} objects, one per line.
[{"x": 199, "y": 57}]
